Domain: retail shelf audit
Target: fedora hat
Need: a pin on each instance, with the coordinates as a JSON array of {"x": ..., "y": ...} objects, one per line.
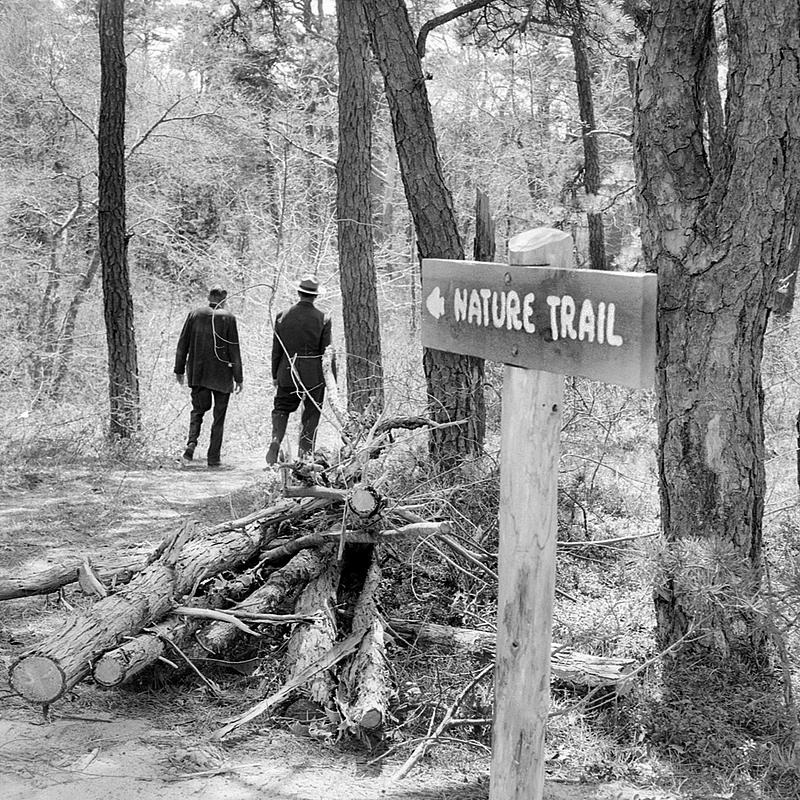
[{"x": 308, "y": 286}]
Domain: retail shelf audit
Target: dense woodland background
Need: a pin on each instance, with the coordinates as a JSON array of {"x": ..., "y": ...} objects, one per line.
[
  {"x": 231, "y": 144},
  {"x": 231, "y": 150}
]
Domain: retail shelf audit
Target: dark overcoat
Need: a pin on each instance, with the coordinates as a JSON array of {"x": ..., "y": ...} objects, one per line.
[
  {"x": 301, "y": 335},
  {"x": 208, "y": 349}
]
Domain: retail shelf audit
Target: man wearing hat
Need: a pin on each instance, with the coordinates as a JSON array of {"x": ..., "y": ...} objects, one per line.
[
  {"x": 208, "y": 352},
  {"x": 300, "y": 337}
]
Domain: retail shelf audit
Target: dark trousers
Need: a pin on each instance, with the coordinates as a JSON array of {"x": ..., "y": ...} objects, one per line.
[
  {"x": 201, "y": 402},
  {"x": 288, "y": 399}
]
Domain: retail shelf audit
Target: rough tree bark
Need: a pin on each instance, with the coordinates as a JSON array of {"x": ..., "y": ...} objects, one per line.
[
  {"x": 60, "y": 575},
  {"x": 52, "y": 667},
  {"x": 591, "y": 148},
  {"x": 365, "y": 685},
  {"x": 484, "y": 246},
  {"x": 282, "y": 586},
  {"x": 311, "y": 640},
  {"x": 123, "y": 378},
  {"x": 362, "y": 333},
  {"x": 455, "y": 382},
  {"x": 714, "y": 232}
]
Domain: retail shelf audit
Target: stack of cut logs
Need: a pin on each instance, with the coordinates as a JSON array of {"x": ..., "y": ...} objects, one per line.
[{"x": 205, "y": 588}]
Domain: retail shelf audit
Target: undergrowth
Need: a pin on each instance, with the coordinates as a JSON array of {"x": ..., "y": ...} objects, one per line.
[{"x": 702, "y": 730}]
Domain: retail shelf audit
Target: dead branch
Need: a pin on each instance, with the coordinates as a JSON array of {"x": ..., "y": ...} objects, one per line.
[
  {"x": 47, "y": 670},
  {"x": 332, "y": 657},
  {"x": 209, "y": 613},
  {"x": 282, "y": 586},
  {"x": 423, "y": 746}
]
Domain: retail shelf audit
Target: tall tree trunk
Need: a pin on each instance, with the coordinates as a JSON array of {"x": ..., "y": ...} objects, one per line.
[
  {"x": 591, "y": 149},
  {"x": 123, "y": 379},
  {"x": 455, "y": 382},
  {"x": 715, "y": 239},
  {"x": 362, "y": 333}
]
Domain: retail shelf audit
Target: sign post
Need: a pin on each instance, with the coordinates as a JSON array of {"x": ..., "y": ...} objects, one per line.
[{"x": 543, "y": 320}]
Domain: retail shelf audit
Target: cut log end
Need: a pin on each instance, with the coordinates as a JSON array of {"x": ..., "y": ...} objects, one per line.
[
  {"x": 108, "y": 671},
  {"x": 371, "y": 719},
  {"x": 364, "y": 501},
  {"x": 37, "y": 678}
]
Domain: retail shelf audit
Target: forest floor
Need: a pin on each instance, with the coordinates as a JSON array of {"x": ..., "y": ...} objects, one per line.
[{"x": 154, "y": 741}]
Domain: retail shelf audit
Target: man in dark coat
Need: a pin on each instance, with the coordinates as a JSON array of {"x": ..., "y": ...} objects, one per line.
[
  {"x": 208, "y": 352},
  {"x": 301, "y": 335}
]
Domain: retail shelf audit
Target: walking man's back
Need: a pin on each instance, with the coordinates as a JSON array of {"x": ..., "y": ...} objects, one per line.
[
  {"x": 208, "y": 353},
  {"x": 302, "y": 333}
]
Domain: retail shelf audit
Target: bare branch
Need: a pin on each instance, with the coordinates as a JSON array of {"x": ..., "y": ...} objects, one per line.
[
  {"x": 321, "y": 156},
  {"x": 208, "y": 613},
  {"x": 164, "y": 119},
  {"x": 442, "y": 19},
  {"x": 601, "y": 132},
  {"x": 71, "y": 111},
  {"x": 606, "y": 542},
  {"x": 70, "y": 218}
]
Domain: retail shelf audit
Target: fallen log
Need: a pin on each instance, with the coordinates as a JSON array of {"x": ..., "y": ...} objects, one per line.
[
  {"x": 49, "y": 669},
  {"x": 365, "y": 683},
  {"x": 277, "y": 556},
  {"x": 566, "y": 665},
  {"x": 44, "y": 673},
  {"x": 370, "y": 673},
  {"x": 230, "y": 588},
  {"x": 56, "y": 577},
  {"x": 282, "y": 587},
  {"x": 121, "y": 664},
  {"x": 309, "y": 641}
]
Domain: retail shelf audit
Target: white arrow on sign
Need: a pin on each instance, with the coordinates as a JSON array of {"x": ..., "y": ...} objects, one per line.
[{"x": 435, "y": 303}]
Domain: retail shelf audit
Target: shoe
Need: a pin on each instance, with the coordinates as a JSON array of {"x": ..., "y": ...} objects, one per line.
[
  {"x": 188, "y": 453},
  {"x": 214, "y": 464}
]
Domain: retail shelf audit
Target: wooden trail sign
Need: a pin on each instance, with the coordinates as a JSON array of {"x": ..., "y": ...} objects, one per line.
[
  {"x": 543, "y": 320},
  {"x": 599, "y": 325}
]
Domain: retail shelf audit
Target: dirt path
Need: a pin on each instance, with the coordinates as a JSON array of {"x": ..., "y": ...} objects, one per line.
[
  {"x": 155, "y": 743},
  {"x": 109, "y": 512}
]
